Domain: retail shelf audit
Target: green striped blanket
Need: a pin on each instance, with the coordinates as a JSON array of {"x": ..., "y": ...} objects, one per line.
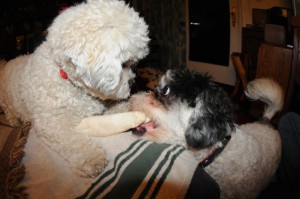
[
  {"x": 136, "y": 169},
  {"x": 144, "y": 170}
]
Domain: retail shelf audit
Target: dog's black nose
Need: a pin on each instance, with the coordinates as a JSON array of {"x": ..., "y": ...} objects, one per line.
[{"x": 131, "y": 82}]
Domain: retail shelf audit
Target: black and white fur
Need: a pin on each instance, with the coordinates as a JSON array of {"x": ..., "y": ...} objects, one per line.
[{"x": 189, "y": 109}]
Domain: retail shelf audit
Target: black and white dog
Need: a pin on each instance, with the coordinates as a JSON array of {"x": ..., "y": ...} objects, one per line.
[{"x": 190, "y": 109}]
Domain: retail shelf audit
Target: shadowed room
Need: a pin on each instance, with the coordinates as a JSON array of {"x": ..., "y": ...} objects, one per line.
[{"x": 108, "y": 62}]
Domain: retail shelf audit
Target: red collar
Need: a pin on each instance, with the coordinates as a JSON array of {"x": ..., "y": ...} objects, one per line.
[
  {"x": 214, "y": 154},
  {"x": 62, "y": 73}
]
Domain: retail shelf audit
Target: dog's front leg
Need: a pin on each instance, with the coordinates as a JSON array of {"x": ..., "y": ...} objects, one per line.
[
  {"x": 84, "y": 156},
  {"x": 106, "y": 125}
]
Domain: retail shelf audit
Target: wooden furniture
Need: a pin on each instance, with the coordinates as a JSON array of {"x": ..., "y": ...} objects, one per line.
[
  {"x": 252, "y": 38},
  {"x": 241, "y": 77},
  {"x": 275, "y": 62},
  {"x": 275, "y": 34}
]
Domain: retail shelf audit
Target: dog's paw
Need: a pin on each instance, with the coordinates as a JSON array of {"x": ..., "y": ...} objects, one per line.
[
  {"x": 90, "y": 163},
  {"x": 92, "y": 167}
]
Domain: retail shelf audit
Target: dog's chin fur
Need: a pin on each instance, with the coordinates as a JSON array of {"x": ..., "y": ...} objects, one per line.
[
  {"x": 122, "y": 91},
  {"x": 95, "y": 43},
  {"x": 189, "y": 109}
]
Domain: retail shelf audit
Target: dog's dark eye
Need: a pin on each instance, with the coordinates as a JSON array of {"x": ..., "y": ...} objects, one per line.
[{"x": 166, "y": 90}]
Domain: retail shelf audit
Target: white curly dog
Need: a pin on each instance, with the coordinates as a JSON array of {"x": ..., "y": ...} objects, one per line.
[{"x": 84, "y": 61}]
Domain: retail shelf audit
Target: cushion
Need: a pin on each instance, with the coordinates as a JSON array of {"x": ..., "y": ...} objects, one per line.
[
  {"x": 12, "y": 170},
  {"x": 48, "y": 172},
  {"x": 136, "y": 168}
]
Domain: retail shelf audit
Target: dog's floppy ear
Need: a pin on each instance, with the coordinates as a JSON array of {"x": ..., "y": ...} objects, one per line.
[
  {"x": 91, "y": 45},
  {"x": 97, "y": 37},
  {"x": 98, "y": 70},
  {"x": 212, "y": 119}
]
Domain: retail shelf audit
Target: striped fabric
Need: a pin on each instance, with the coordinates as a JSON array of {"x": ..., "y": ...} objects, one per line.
[{"x": 141, "y": 171}]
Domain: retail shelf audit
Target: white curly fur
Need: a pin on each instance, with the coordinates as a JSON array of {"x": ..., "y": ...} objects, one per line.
[
  {"x": 250, "y": 158},
  {"x": 95, "y": 43},
  {"x": 256, "y": 91}
]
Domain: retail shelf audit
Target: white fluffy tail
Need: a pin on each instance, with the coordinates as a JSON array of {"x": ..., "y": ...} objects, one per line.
[{"x": 267, "y": 91}]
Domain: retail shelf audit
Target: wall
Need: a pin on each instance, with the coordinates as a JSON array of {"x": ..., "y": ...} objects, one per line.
[
  {"x": 247, "y": 5},
  {"x": 166, "y": 19}
]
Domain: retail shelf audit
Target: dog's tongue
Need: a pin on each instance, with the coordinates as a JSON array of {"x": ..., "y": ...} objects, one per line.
[
  {"x": 143, "y": 128},
  {"x": 146, "y": 126}
]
